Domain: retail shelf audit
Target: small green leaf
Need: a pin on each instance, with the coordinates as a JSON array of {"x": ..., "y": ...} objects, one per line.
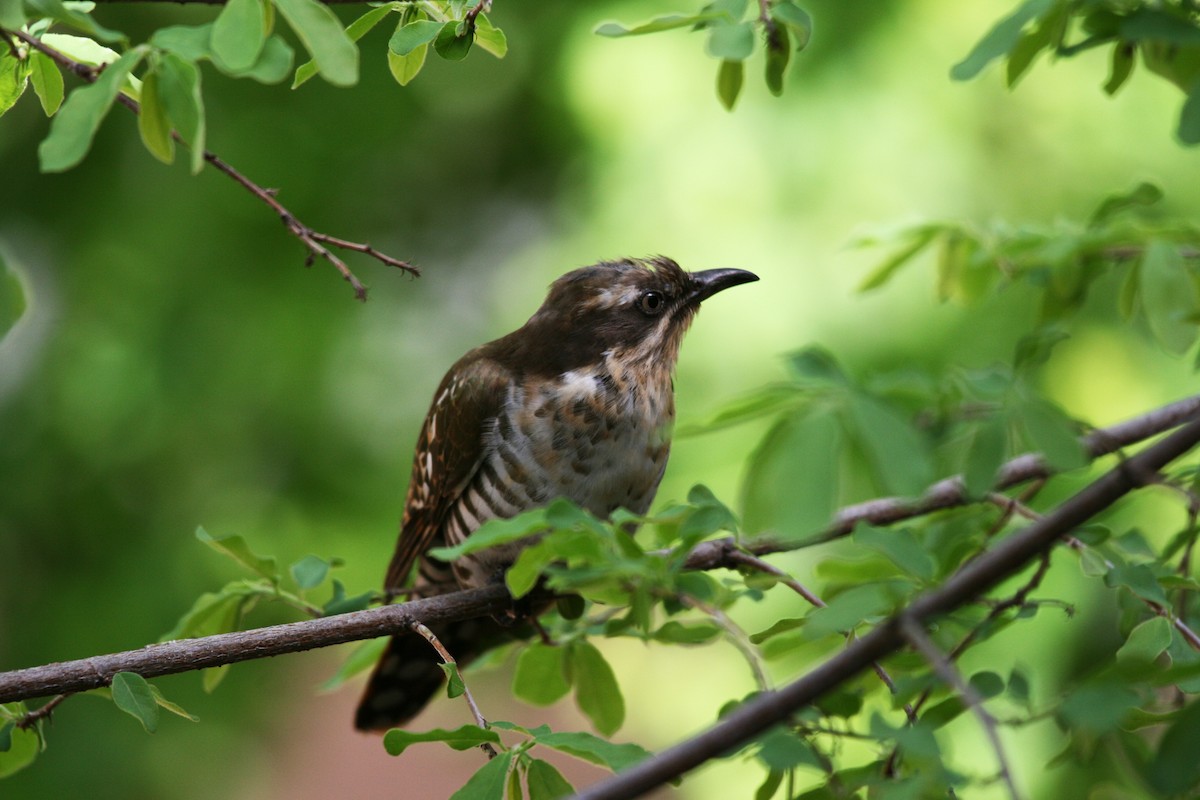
[
  {"x": 236, "y": 548},
  {"x": 1141, "y": 196},
  {"x": 47, "y": 82},
  {"x": 677, "y": 633},
  {"x": 405, "y": 68},
  {"x": 1168, "y": 294},
  {"x": 897, "y": 456},
  {"x": 730, "y": 77},
  {"x": 900, "y": 546},
  {"x": 770, "y": 785},
  {"x": 1120, "y": 68},
  {"x": 490, "y": 38},
  {"x": 396, "y": 741},
  {"x": 664, "y": 23},
  {"x": 1146, "y": 642},
  {"x": 454, "y": 682},
  {"x": 450, "y": 45},
  {"x": 615, "y": 757},
  {"x": 14, "y": 77},
  {"x": 1000, "y": 40},
  {"x": 540, "y": 676},
  {"x": 780, "y": 749},
  {"x": 23, "y": 744},
  {"x": 1097, "y": 707},
  {"x": 1175, "y": 770},
  {"x": 132, "y": 695},
  {"x": 340, "y": 603},
  {"x": 238, "y": 34},
  {"x": 153, "y": 124},
  {"x": 12, "y": 14},
  {"x": 848, "y": 610},
  {"x": 778, "y": 54},
  {"x": 495, "y": 532},
  {"x": 309, "y": 572},
  {"x": 319, "y": 29},
  {"x": 488, "y": 782},
  {"x": 408, "y": 38},
  {"x": 989, "y": 445},
  {"x": 1139, "y": 579},
  {"x": 179, "y": 87},
  {"x": 546, "y": 782},
  {"x": 1052, "y": 434},
  {"x": 1189, "y": 117},
  {"x": 791, "y": 483},
  {"x": 596, "y": 690},
  {"x": 796, "y": 18},
  {"x": 731, "y": 42},
  {"x": 75, "y": 125},
  {"x": 921, "y": 238},
  {"x": 74, "y": 16},
  {"x": 167, "y": 705}
]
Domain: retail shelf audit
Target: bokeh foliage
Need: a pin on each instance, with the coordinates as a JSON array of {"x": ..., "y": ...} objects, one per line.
[{"x": 174, "y": 367}]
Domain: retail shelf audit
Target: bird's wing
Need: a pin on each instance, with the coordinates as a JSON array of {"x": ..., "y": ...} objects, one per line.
[{"x": 451, "y": 447}]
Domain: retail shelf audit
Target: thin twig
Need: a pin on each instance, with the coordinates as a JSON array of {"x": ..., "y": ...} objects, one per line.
[
  {"x": 29, "y": 718},
  {"x": 736, "y": 636},
  {"x": 314, "y": 241},
  {"x": 914, "y": 632},
  {"x": 447, "y": 658}
]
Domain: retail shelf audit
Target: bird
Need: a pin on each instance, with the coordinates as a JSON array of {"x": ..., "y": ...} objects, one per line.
[{"x": 576, "y": 403}]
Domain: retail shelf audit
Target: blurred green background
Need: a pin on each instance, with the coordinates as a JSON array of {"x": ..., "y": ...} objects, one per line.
[{"x": 179, "y": 367}]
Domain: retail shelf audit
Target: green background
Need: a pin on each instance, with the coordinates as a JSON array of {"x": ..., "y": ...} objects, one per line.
[{"x": 178, "y": 366}]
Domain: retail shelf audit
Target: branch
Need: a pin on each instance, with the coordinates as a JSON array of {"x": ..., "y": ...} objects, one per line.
[
  {"x": 212, "y": 651},
  {"x": 314, "y": 241},
  {"x": 449, "y": 660},
  {"x": 185, "y": 655},
  {"x": 971, "y": 581}
]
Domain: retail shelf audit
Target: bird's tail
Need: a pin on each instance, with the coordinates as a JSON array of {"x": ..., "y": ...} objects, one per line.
[{"x": 408, "y": 674}]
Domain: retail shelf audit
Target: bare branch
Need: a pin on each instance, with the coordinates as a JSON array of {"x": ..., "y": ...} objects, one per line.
[
  {"x": 971, "y": 581},
  {"x": 914, "y": 632},
  {"x": 447, "y": 658},
  {"x": 314, "y": 241}
]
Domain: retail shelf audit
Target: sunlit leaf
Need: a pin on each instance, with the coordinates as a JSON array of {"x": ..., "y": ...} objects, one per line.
[
  {"x": 238, "y": 33},
  {"x": 596, "y": 690},
  {"x": 1146, "y": 641},
  {"x": 179, "y": 86},
  {"x": 153, "y": 124},
  {"x": 546, "y": 782},
  {"x": 319, "y": 29},
  {"x": 396, "y": 741},
  {"x": 490, "y": 38},
  {"x": 47, "y": 82},
  {"x": 488, "y": 782},
  {"x": 615, "y": 757},
  {"x": 540, "y": 676}
]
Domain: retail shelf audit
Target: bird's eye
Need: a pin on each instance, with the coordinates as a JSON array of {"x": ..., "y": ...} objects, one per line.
[{"x": 652, "y": 302}]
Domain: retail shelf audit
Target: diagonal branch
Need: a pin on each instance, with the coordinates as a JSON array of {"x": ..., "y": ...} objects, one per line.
[
  {"x": 314, "y": 241},
  {"x": 971, "y": 581}
]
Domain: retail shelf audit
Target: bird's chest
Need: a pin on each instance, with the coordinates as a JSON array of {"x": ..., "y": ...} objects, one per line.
[{"x": 597, "y": 437}]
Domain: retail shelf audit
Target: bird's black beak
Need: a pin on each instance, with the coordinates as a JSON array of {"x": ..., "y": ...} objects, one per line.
[{"x": 710, "y": 281}]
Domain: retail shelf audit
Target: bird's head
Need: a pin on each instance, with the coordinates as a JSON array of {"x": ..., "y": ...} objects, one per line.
[{"x": 635, "y": 309}]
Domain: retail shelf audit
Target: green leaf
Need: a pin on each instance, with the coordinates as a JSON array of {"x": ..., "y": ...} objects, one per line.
[
  {"x": 770, "y": 785},
  {"x": 488, "y": 782},
  {"x": 796, "y": 18},
  {"x": 405, "y": 68},
  {"x": 781, "y": 750},
  {"x": 848, "y": 610},
  {"x": 396, "y": 741},
  {"x": 898, "y": 457},
  {"x": 1189, "y": 117},
  {"x": 664, "y": 23},
  {"x": 340, "y": 603},
  {"x": 73, "y": 16},
  {"x": 900, "y": 546},
  {"x": 1034, "y": 349},
  {"x": 450, "y": 45},
  {"x": 167, "y": 705},
  {"x": 1146, "y": 642},
  {"x": 596, "y": 690},
  {"x": 319, "y": 29},
  {"x": 1097, "y": 707},
  {"x": 12, "y": 14},
  {"x": 23, "y": 744},
  {"x": 179, "y": 86},
  {"x": 1052, "y": 434},
  {"x": 540, "y": 676},
  {"x": 238, "y": 34},
  {"x": 1139, "y": 579},
  {"x": 14, "y": 77},
  {"x": 365, "y": 656},
  {"x": 454, "y": 682},
  {"x": 677, "y": 633},
  {"x": 408, "y": 38},
  {"x": 75, "y": 125},
  {"x": 766, "y": 401},
  {"x": 1168, "y": 294},
  {"x": 989, "y": 445},
  {"x": 214, "y": 612},
  {"x": 132, "y": 694},
  {"x": 1000, "y": 39},
  {"x": 47, "y": 82},
  {"x": 791, "y": 483},
  {"x": 1120, "y": 67},
  {"x": 355, "y": 31},
  {"x": 546, "y": 782},
  {"x": 523, "y": 575},
  {"x": 730, "y": 77},
  {"x": 921, "y": 237},
  {"x": 778, "y": 54},
  {"x": 236, "y": 548},
  {"x": 731, "y": 42},
  {"x": 1143, "y": 195},
  {"x": 153, "y": 124},
  {"x": 1175, "y": 770},
  {"x": 490, "y": 38},
  {"x": 595, "y": 750},
  {"x": 496, "y": 532},
  {"x": 309, "y": 572}
]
